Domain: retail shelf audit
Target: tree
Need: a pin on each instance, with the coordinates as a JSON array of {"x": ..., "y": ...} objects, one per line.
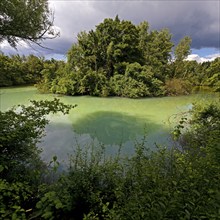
[
  {"x": 182, "y": 50},
  {"x": 213, "y": 74},
  {"x": 27, "y": 20},
  {"x": 112, "y": 42},
  {"x": 20, "y": 70},
  {"x": 158, "y": 52},
  {"x": 49, "y": 74},
  {"x": 143, "y": 28},
  {"x": 117, "y": 52},
  {"x": 5, "y": 79}
]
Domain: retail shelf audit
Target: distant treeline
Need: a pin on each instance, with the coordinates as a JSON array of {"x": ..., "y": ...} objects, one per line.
[
  {"x": 23, "y": 70},
  {"x": 118, "y": 58}
]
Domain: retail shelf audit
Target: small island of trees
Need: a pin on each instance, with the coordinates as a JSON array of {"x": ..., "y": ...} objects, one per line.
[{"x": 118, "y": 58}]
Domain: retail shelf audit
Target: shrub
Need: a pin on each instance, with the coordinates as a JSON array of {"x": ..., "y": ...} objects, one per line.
[
  {"x": 128, "y": 87},
  {"x": 94, "y": 84},
  {"x": 21, "y": 169},
  {"x": 167, "y": 184},
  {"x": 177, "y": 86}
]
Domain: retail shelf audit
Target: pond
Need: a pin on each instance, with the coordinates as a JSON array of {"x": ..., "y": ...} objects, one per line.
[{"x": 112, "y": 121}]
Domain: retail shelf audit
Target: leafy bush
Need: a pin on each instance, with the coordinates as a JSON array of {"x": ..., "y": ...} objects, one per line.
[
  {"x": 204, "y": 133},
  {"x": 21, "y": 169},
  {"x": 145, "y": 76},
  {"x": 177, "y": 86},
  {"x": 167, "y": 184},
  {"x": 15, "y": 202},
  {"x": 128, "y": 87},
  {"x": 94, "y": 84},
  {"x": 21, "y": 129}
]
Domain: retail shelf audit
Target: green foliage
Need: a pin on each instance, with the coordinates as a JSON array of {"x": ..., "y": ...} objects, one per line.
[
  {"x": 182, "y": 50},
  {"x": 177, "y": 86},
  {"x": 204, "y": 133},
  {"x": 94, "y": 84},
  {"x": 145, "y": 75},
  {"x": 21, "y": 169},
  {"x": 25, "y": 20},
  {"x": 14, "y": 200},
  {"x": 21, "y": 129},
  {"x": 49, "y": 206},
  {"x": 158, "y": 53},
  {"x": 178, "y": 129},
  {"x": 213, "y": 73},
  {"x": 180, "y": 67},
  {"x": 138, "y": 81},
  {"x": 52, "y": 69},
  {"x": 20, "y": 70},
  {"x": 128, "y": 87},
  {"x": 167, "y": 184},
  {"x": 115, "y": 54}
]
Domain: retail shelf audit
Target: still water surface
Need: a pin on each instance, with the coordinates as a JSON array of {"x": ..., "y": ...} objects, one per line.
[{"x": 110, "y": 121}]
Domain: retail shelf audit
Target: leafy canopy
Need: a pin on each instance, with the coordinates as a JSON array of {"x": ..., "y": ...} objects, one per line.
[{"x": 27, "y": 20}]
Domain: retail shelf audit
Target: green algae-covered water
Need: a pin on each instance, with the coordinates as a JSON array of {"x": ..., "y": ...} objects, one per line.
[{"x": 109, "y": 121}]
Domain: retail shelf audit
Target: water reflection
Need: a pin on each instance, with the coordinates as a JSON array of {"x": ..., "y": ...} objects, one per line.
[{"x": 113, "y": 127}]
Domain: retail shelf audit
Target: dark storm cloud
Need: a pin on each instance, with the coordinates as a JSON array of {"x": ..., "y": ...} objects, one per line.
[
  {"x": 198, "y": 19},
  {"x": 59, "y": 46}
]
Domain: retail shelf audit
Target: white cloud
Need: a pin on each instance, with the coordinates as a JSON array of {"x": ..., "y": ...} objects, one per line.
[
  {"x": 199, "y": 59},
  {"x": 213, "y": 56},
  {"x": 22, "y": 48}
]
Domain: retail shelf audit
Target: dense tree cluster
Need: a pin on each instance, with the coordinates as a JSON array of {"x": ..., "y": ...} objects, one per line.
[
  {"x": 21, "y": 70},
  {"x": 119, "y": 58}
]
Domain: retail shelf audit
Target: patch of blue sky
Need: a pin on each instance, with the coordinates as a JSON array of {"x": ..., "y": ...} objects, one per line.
[{"x": 206, "y": 52}]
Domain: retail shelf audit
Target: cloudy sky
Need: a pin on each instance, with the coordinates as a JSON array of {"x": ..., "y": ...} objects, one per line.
[{"x": 198, "y": 19}]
